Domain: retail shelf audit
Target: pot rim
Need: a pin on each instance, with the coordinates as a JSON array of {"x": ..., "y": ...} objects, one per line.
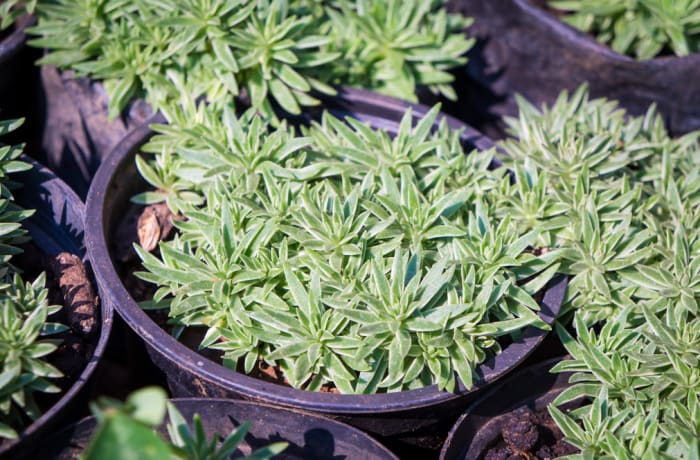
[
  {"x": 343, "y": 430},
  {"x": 42, "y": 175},
  {"x": 543, "y": 366},
  {"x": 250, "y": 387}
]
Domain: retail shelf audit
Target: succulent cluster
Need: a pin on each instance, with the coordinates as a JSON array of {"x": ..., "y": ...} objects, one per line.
[
  {"x": 24, "y": 309},
  {"x": 620, "y": 198},
  {"x": 639, "y": 28},
  {"x": 382, "y": 262},
  {"x": 126, "y": 431},
  {"x": 264, "y": 51},
  {"x": 344, "y": 256}
]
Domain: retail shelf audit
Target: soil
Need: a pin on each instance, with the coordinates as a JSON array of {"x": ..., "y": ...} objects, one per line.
[{"x": 529, "y": 435}]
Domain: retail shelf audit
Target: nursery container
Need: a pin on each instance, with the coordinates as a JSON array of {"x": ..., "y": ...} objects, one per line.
[
  {"x": 521, "y": 48},
  {"x": 57, "y": 226},
  {"x": 310, "y": 436},
  {"x": 406, "y": 414},
  {"x": 480, "y": 426},
  {"x": 12, "y": 40}
]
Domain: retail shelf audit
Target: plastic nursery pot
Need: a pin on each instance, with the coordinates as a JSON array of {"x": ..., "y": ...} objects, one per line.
[
  {"x": 191, "y": 374},
  {"x": 480, "y": 426},
  {"x": 310, "y": 437},
  {"x": 55, "y": 227},
  {"x": 521, "y": 48}
]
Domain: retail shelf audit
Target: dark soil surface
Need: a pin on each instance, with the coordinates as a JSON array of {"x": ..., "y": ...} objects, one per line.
[
  {"x": 274, "y": 374},
  {"x": 529, "y": 435}
]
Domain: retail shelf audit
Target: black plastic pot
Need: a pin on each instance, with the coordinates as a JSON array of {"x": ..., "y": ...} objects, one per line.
[
  {"x": 56, "y": 226},
  {"x": 523, "y": 49},
  {"x": 533, "y": 387},
  {"x": 399, "y": 415},
  {"x": 310, "y": 437}
]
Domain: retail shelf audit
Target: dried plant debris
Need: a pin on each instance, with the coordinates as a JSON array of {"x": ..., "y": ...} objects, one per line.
[
  {"x": 155, "y": 224},
  {"x": 79, "y": 299}
]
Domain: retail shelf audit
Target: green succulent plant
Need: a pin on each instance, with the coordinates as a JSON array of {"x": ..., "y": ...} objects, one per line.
[
  {"x": 597, "y": 185},
  {"x": 618, "y": 197},
  {"x": 266, "y": 52},
  {"x": 23, "y": 350},
  {"x": 395, "y": 46},
  {"x": 640, "y": 374},
  {"x": 126, "y": 431},
  {"x": 345, "y": 256},
  {"x": 639, "y": 28},
  {"x": 24, "y": 311}
]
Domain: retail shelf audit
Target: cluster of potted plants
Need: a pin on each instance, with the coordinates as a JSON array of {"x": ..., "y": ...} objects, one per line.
[{"x": 292, "y": 228}]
